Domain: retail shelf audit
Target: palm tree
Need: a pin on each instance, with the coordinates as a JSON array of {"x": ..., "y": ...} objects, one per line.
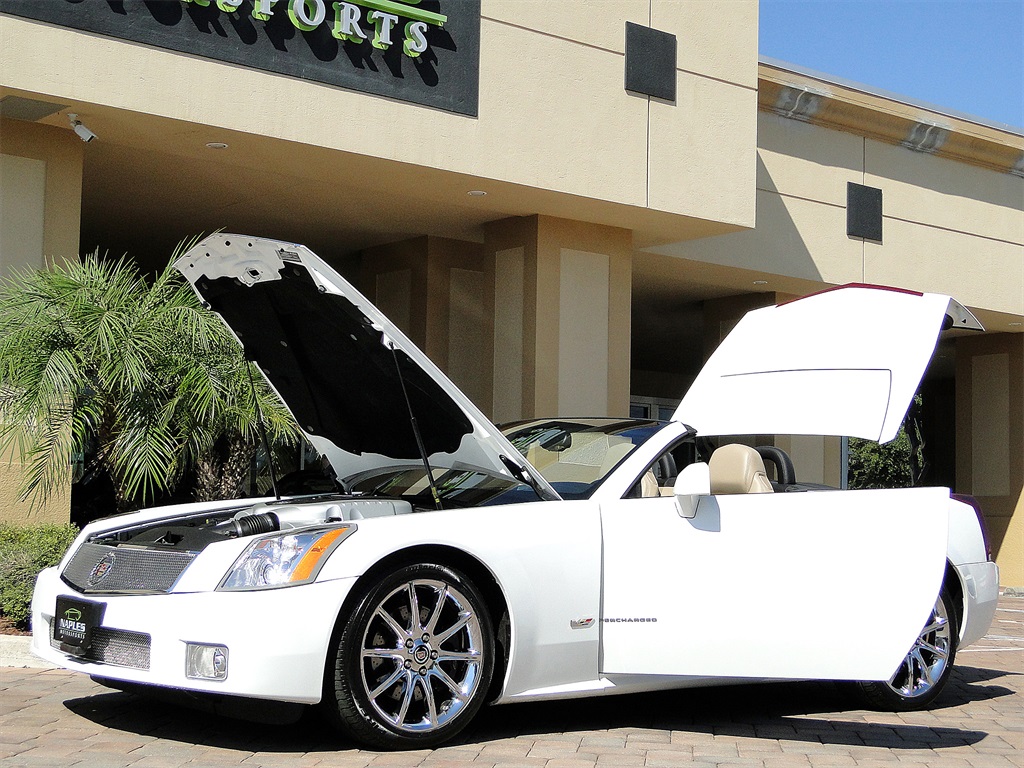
[{"x": 92, "y": 355}]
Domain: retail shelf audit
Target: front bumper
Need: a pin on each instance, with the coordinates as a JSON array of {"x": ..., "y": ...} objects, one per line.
[
  {"x": 278, "y": 640},
  {"x": 980, "y": 583}
]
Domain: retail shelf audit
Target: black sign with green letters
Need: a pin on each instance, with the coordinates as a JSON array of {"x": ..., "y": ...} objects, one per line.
[
  {"x": 422, "y": 51},
  {"x": 74, "y": 621}
]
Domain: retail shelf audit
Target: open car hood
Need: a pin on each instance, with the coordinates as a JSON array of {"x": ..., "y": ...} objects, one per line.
[
  {"x": 846, "y": 361},
  {"x": 334, "y": 360}
]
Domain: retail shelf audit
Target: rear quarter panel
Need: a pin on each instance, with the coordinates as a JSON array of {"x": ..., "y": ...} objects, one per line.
[{"x": 966, "y": 543}]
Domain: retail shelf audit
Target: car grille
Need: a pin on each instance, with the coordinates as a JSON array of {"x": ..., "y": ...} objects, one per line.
[
  {"x": 115, "y": 646},
  {"x": 97, "y": 568}
]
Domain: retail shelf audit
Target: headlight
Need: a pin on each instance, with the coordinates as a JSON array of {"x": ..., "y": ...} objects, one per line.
[{"x": 284, "y": 559}]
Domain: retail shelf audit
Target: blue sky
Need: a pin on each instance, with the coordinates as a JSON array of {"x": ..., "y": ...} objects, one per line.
[{"x": 966, "y": 55}]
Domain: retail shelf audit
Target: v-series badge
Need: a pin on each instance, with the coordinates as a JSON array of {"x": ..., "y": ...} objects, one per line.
[{"x": 352, "y": 21}]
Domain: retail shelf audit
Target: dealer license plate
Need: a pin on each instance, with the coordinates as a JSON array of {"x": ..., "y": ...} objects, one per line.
[{"x": 74, "y": 622}]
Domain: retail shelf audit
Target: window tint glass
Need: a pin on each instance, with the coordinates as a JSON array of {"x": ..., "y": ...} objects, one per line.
[{"x": 575, "y": 455}]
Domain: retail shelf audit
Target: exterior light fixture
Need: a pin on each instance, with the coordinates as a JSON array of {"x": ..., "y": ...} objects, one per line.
[
  {"x": 206, "y": 662},
  {"x": 216, "y": 145},
  {"x": 926, "y": 137},
  {"x": 476, "y": 193},
  {"x": 799, "y": 103},
  {"x": 80, "y": 130},
  {"x": 760, "y": 282}
]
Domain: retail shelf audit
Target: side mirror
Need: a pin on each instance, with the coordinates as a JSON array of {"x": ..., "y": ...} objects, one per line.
[{"x": 692, "y": 483}]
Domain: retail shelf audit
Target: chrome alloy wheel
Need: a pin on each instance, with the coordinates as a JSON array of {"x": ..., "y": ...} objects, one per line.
[
  {"x": 925, "y": 663},
  {"x": 421, "y": 655}
]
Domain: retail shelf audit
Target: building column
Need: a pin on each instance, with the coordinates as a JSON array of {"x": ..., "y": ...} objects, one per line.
[
  {"x": 557, "y": 314},
  {"x": 40, "y": 219},
  {"x": 432, "y": 288},
  {"x": 990, "y": 441},
  {"x": 41, "y": 195}
]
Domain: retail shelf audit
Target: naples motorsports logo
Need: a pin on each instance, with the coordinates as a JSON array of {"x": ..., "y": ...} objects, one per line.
[
  {"x": 421, "y": 51},
  {"x": 356, "y": 22}
]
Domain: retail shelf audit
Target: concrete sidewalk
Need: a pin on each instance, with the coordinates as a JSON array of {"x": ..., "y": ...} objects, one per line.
[
  {"x": 14, "y": 652},
  {"x": 56, "y": 718}
]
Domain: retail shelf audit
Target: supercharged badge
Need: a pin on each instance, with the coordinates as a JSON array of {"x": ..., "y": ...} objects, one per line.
[{"x": 648, "y": 620}]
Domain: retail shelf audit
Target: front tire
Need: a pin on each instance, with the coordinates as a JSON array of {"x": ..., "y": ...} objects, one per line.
[
  {"x": 414, "y": 661},
  {"x": 925, "y": 669}
]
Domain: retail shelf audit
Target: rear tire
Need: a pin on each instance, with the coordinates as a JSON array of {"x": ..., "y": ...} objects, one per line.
[
  {"x": 414, "y": 661},
  {"x": 926, "y": 668}
]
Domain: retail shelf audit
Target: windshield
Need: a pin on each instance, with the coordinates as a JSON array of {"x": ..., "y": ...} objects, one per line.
[
  {"x": 576, "y": 455},
  {"x": 573, "y": 455},
  {"x": 457, "y": 487}
]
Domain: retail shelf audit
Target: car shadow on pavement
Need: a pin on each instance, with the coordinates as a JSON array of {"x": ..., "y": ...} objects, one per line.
[
  {"x": 773, "y": 711},
  {"x": 777, "y": 710},
  {"x": 971, "y": 675}
]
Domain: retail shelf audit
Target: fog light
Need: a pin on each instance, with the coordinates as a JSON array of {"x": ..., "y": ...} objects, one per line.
[{"x": 206, "y": 662}]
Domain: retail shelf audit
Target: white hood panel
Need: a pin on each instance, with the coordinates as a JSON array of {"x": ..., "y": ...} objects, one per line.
[{"x": 334, "y": 359}]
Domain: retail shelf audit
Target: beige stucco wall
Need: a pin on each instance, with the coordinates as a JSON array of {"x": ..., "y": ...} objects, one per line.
[
  {"x": 536, "y": 278},
  {"x": 49, "y": 218},
  {"x": 433, "y": 289},
  {"x": 33, "y": 509},
  {"x": 553, "y": 112},
  {"x": 22, "y": 207},
  {"x": 948, "y": 226},
  {"x": 990, "y": 441},
  {"x": 61, "y": 203}
]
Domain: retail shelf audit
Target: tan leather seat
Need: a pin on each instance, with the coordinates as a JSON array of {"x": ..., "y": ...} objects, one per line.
[
  {"x": 649, "y": 485},
  {"x": 738, "y": 468}
]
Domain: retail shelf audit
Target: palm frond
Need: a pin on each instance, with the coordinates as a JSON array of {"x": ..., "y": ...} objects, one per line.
[{"x": 92, "y": 353}]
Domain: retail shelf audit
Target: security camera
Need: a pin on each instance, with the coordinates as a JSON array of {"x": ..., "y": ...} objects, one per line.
[{"x": 82, "y": 132}]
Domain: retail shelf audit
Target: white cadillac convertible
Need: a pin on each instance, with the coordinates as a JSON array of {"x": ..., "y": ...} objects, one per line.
[{"x": 462, "y": 565}]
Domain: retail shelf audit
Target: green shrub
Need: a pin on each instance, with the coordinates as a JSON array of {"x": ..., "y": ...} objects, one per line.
[
  {"x": 24, "y": 552},
  {"x": 872, "y": 465}
]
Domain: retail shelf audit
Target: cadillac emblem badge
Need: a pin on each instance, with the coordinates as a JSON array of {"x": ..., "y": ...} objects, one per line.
[{"x": 101, "y": 569}]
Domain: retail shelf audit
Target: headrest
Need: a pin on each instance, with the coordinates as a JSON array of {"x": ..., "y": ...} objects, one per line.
[{"x": 738, "y": 468}]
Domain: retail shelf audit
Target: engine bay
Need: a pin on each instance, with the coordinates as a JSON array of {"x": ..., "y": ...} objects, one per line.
[{"x": 193, "y": 533}]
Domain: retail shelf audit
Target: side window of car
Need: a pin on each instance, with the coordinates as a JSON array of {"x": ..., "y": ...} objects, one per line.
[{"x": 660, "y": 476}]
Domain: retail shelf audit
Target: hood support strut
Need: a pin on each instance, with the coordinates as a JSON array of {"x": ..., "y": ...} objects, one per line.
[
  {"x": 415, "y": 426},
  {"x": 263, "y": 431}
]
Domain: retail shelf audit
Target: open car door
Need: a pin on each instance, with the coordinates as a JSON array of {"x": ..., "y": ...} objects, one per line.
[
  {"x": 829, "y": 584},
  {"x": 846, "y": 361},
  {"x": 818, "y": 585}
]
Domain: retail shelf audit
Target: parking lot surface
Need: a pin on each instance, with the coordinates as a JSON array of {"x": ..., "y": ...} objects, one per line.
[{"x": 56, "y": 718}]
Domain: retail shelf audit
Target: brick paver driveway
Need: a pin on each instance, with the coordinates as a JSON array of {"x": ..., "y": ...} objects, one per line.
[{"x": 54, "y": 718}]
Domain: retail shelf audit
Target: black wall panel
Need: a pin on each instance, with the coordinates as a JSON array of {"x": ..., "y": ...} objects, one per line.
[
  {"x": 445, "y": 75},
  {"x": 864, "y": 212},
  {"x": 650, "y": 62}
]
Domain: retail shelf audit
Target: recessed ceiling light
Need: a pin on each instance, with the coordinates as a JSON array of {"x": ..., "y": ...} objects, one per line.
[
  {"x": 476, "y": 193},
  {"x": 760, "y": 282},
  {"x": 216, "y": 145},
  {"x": 1015, "y": 324}
]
